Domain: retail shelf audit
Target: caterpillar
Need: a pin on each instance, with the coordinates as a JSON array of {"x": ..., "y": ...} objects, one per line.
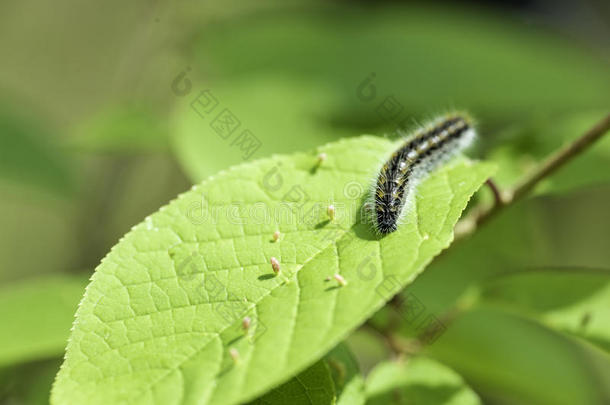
[{"x": 423, "y": 151}]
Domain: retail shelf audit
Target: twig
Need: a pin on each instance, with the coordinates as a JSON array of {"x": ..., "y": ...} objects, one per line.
[
  {"x": 392, "y": 340},
  {"x": 495, "y": 190},
  {"x": 401, "y": 347},
  {"x": 549, "y": 166}
]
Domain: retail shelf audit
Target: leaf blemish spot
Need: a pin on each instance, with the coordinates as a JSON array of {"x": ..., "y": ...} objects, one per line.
[
  {"x": 331, "y": 212},
  {"x": 275, "y": 265},
  {"x": 340, "y": 280},
  {"x": 246, "y": 322},
  {"x": 234, "y": 355}
]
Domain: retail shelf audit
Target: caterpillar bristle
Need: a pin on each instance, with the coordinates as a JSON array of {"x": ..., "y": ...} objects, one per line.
[{"x": 424, "y": 150}]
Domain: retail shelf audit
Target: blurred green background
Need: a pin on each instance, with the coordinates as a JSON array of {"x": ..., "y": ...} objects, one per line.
[{"x": 97, "y": 131}]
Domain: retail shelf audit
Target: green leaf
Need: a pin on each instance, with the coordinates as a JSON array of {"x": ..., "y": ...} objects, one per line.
[
  {"x": 335, "y": 376},
  {"x": 38, "y": 233},
  {"x": 29, "y": 383},
  {"x": 419, "y": 380},
  {"x": 573, "y": 300},
  {"x": 27, "y": 156},
  {"x": 368, "y": 347},
  {"x": 36, "y": 316},
  {"x": 314, "y": 386},
  {"x": 123, "y": 129},
  {"x": 426, "y": 57},
  {"x": 345, "y": 371},
  {"x": 513, "y": 360},
  {"x": 499, "y": 246},
  {"x": 165, "y": 308},
  {"x": 279, "y": 121}
]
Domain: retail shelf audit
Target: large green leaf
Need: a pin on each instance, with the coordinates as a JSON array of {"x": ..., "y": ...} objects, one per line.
[
  {"x": 417, "y": 381},
  {"x": 165, "y": 307},
  {"x": 426, "y": 57},
  {"x": 279, "y": 121},
  {"x": 36, "y": 317},
  {"x": 297, "y": 78},
  {"x": 574, "y": 300}
]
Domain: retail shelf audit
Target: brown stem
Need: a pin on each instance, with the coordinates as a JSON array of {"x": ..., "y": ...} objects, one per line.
[{"x": 549, "y": 166}]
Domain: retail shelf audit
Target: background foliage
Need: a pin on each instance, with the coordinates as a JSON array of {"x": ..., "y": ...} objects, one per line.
[{"x": 94, "y": 137}]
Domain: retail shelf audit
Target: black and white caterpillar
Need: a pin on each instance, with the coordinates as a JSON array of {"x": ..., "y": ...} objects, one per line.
[{"x": 423, "y": 151}]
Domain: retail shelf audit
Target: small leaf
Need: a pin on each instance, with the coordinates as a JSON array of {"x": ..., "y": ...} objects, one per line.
[
  {"x": 510, "y": 359},
  {"x": 123, "y": 129},
  {"x": 419, "y": 380},
  {"x": 164, "y": 311},
  {"x": 335, "y": 376},
  {"x": 348, "y": 381},
  {"x": 314, "y": 386},
  {"x": 571, "y": 300}
]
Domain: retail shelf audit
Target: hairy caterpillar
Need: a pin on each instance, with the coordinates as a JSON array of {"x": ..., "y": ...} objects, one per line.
[{"x": 422, "y": 152}]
